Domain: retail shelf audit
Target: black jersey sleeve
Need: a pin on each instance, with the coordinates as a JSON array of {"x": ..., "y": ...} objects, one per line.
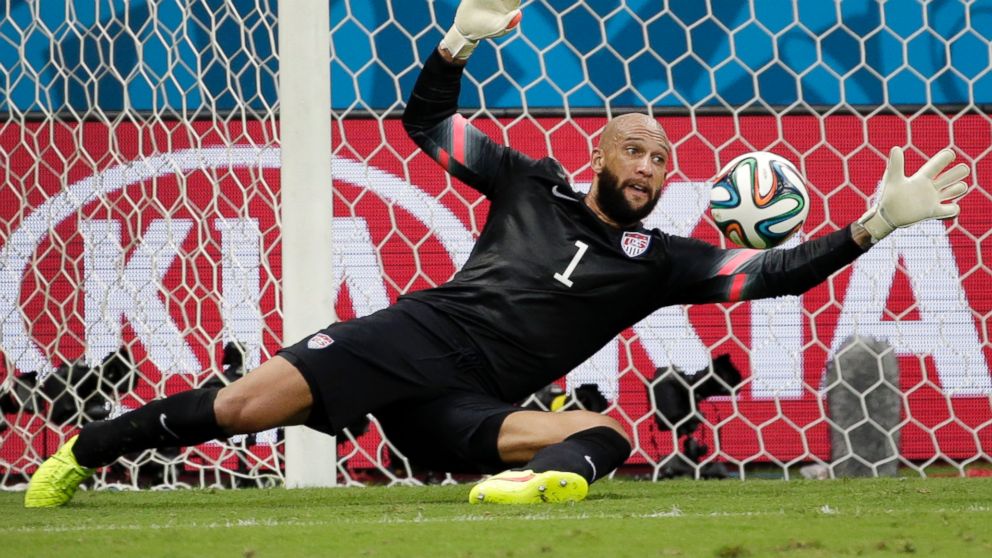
[
  {"x": 432, "y": 121},
  {"x": 700, "y": 272}
]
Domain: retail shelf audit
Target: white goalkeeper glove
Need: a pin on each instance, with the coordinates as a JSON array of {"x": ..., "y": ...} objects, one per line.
[
  {"x": 928, "y": 194},
  {"x": 480, "y": 19}
]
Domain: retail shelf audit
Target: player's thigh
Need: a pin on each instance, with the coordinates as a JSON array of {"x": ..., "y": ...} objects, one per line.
[
  {"x": 274, "y": 394},
  {"x": 524, "y": 433},
  {"x": 452, "y": 432}
]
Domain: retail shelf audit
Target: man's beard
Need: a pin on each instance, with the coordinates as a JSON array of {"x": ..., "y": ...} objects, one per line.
[{"x": 614, "y": 204}]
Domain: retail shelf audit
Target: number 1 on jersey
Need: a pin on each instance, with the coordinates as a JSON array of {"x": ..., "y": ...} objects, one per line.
[{"x": 564, "y": 277}]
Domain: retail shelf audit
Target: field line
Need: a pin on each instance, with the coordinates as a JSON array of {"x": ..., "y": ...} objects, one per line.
[
  {"x": 250, "y": 522},
  {"x": 674, "y": 512}
]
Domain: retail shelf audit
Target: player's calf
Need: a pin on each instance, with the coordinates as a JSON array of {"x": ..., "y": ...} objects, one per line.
[
  {"x": 181, "y": 420},
  {"x": 275, "y": 394},
  {"x": 184, "y": 419},
  {"x": 559, "y": 472},
  {"x": 592, "y": 454}
]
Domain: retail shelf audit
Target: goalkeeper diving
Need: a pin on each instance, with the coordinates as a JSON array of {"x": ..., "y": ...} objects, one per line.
[{"x": 554, "y": 276}]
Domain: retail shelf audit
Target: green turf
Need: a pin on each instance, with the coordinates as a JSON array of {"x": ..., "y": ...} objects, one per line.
[{"x": 879, "y": 517}]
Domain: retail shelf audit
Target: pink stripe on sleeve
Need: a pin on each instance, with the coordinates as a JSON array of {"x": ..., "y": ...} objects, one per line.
[
  {"x": 737, "y": 287},
  {"x": 458, "y": 141},
  {"x": 738, "y": 260}
]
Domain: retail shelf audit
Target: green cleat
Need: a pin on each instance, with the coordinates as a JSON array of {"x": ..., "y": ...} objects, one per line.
[
  {"x": 56, "y": 481},
  {"x": 528, "y": 487}
]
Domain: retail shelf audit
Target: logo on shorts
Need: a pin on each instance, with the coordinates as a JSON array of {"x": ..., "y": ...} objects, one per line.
[
  {"x": 319, "y": 341},
  {"x": 634, "y": 244}
]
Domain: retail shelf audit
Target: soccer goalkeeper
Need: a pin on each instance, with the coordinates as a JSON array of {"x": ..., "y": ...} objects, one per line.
[{"x": 554, "y": 276}]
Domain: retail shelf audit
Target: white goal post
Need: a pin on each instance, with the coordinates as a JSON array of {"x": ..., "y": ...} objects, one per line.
[{"x": 306, "y": 210}]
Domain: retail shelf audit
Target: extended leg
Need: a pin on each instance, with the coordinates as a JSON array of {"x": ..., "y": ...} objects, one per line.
[{"x": 274, "y": 394}]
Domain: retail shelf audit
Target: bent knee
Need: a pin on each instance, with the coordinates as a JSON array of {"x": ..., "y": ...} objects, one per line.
[
  {"x": 274, "y": 394},
  {"x": 594, "y": 420},
  {"x": 229, "y": 411},
  {"x": 525, "y": 433}
]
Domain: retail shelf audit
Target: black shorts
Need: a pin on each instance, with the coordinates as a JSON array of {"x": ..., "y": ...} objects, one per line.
[
  {"x": 454, "y": 431},
  {"x": 418, "y": 373}
]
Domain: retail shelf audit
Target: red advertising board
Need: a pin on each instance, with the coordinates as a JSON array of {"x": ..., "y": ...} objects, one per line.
[{"x": 134, "y": 235}]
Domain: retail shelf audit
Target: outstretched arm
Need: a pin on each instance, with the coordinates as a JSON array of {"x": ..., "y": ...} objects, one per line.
[
  {"x": 431, "y": 117},
  {"x": 704, "y": 273}
]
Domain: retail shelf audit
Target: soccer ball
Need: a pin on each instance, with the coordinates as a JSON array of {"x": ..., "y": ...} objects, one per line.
[{"x": 759, "y": 200}]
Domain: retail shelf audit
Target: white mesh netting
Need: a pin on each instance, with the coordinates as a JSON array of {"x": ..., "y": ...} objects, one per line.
[{"x": 138, "y": 217}]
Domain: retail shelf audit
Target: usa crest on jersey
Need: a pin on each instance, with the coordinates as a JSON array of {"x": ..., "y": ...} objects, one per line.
[
  {"x": 319, "y": 341},
  {"x": 634, "y": 243}
]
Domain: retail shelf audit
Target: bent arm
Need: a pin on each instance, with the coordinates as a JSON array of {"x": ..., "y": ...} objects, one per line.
[
  {"x": 432, "y": 121},
  {"x": 704, "y": 273}
]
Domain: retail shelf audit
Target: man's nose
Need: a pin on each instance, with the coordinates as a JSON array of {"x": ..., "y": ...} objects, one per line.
[{"x": 644, "y": 167}]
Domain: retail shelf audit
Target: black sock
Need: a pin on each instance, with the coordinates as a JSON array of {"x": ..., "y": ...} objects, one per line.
[
  {"x": 591, "y": 453},
  {"x": 184, "y": 419}
]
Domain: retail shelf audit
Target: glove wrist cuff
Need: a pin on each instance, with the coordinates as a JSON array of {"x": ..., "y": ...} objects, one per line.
[
  {"x": 460, "y": 46},
  {"x": 876, "y": 224}
]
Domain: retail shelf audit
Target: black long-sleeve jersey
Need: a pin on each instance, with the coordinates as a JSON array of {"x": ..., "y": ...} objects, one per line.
[{"x": 548, "y": 283}]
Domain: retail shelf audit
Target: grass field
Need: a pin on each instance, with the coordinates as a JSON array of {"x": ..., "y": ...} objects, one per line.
[{"x": 878, "y": 517}]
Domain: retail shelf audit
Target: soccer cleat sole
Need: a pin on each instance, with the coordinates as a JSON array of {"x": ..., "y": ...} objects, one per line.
[{"x": 526, "y": 487}]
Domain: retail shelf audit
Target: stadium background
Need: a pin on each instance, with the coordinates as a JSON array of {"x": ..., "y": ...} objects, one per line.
[{"x": 138, "y": 144}]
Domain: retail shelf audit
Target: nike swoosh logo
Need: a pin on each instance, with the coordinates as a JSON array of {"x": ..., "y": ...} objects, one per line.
[
  {"x": 523, "y": 478},
  {"x": 161, "y": 419},
  {"x": 591, "y": 464},
  {"x": 558, "y": 194}
]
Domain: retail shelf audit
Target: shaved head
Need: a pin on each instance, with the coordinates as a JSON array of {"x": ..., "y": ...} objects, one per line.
[{"x": 624, "y": 125}]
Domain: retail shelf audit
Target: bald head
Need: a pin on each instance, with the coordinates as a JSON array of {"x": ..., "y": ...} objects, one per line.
[{"x": 633, "y": 124}]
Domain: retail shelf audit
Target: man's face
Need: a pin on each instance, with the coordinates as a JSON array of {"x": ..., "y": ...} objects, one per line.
[
  {"x": 631, "y": 165},
  {"x": 625, "y": 202}
]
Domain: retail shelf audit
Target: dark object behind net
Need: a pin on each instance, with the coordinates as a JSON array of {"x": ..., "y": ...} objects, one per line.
[{"x": 676, "y": 396}]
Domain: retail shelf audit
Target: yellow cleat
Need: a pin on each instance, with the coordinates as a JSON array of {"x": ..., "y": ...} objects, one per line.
[
  {"x": 528, "y": 487},
  {"x": 56, "y": 481}
]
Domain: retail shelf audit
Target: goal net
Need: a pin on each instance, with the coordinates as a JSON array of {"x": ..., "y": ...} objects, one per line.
[{"x": 140, "y": 249}]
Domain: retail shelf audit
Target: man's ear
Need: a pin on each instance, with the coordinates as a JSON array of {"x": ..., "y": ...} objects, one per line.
[{"x": 596, "y": 160}]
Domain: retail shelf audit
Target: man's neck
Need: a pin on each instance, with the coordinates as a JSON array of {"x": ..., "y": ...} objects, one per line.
[
  {"x": 590, "y": 201},
  {"x": 591, "y": 204}
]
